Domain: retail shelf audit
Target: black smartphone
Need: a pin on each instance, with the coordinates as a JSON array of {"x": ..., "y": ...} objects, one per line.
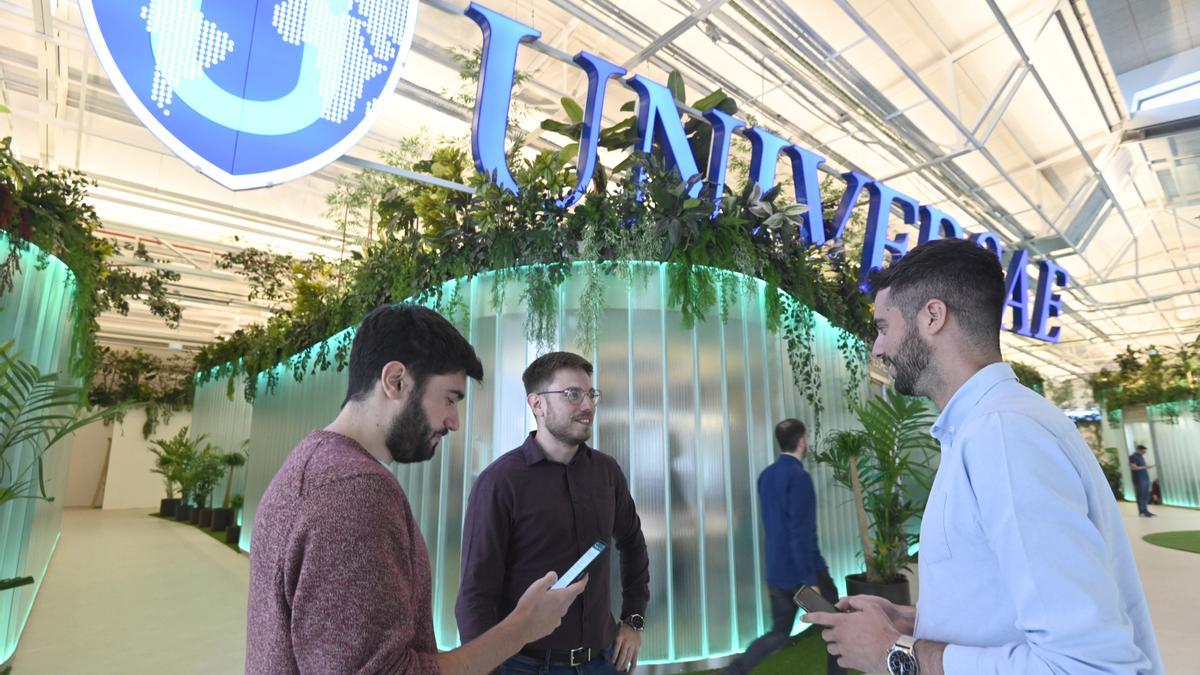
[
  {"x": 811, "y": 601},
  {"x": 580, "y": 565}
]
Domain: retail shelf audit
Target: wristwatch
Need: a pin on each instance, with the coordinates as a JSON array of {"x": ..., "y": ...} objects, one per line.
[
  {"x": 902, "y": 657},
  {"x": 635, "y": 621}
]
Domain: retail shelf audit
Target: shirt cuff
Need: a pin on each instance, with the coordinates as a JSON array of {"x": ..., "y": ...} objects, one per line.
[{"x": 960, "y": 659}]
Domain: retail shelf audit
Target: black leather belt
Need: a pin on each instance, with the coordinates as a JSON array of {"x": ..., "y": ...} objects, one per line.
[{"x": 562, "y": 657}]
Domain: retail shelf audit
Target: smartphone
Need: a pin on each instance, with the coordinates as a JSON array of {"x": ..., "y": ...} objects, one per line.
[
  {"x": 811, "y": 601},
  {"x": 580, "y": 565}
]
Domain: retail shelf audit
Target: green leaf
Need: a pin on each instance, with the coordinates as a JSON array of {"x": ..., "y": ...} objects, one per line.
[
  {"x": 557, "y": 127},
  {"x": 15, "y": 582},
  {"x": 629, "y": 106},
  {"x": 675, "y": 84},
  {"x": 574, "y": 112},
  {"x": 710, "y": 101}
]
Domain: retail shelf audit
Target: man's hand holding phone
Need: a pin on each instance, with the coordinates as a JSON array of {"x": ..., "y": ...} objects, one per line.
[{"x": 541, "y": 608}]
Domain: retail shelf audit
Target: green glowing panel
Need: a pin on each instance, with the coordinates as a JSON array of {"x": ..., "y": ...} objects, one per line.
[
  {"x": 1174, "y": 436},
  {"x": 688, "y": 414},
  {"x": 36, "y": 315}
]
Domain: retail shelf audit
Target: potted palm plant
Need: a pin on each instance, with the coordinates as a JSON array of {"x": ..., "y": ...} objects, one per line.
[
  {"x": 206, "y": 473},
  {"x": 171, "y": 459},
  {"x": 223, "y": 516},
  {"x": 36, "y": 412},
  {"x": 887, "y": 466},
  {"x": 234, "y": 532}
]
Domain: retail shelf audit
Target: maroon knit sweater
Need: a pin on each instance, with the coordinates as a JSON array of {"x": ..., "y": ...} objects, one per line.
[{"x": 339, "y": 572}]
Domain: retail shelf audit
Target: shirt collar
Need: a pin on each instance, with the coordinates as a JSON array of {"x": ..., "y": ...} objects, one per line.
[
  {"x": 532, "y": 452},
  {"x": 967, "y": 397}
]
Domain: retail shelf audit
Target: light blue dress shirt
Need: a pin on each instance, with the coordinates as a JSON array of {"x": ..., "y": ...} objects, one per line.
[{"x": 1025, "y": 566}]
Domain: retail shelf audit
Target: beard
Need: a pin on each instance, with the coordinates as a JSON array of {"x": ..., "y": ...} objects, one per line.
[
  {"x": 562, "y": 426},
  {"x": 911, "y": 361},
  {"x": 410, "y": 437}
]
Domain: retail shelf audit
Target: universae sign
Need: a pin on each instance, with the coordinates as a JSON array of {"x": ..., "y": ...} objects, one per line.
[{"x": 256, "y": 92}]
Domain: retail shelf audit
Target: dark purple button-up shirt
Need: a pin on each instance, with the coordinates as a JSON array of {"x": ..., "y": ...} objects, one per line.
[{"x": 528, "y": 515}]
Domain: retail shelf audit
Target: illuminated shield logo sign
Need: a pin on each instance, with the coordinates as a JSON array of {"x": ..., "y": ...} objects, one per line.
[{"x": 253, "y": 93}]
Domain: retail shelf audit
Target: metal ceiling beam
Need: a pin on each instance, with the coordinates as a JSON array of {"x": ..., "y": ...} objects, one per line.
[
  {"x": 1016, "y": 43},
  {"x": 673, "y": 32}
]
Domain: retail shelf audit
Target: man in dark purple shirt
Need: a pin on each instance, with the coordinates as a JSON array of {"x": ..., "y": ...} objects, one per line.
[{"x": 541, "y": 506}]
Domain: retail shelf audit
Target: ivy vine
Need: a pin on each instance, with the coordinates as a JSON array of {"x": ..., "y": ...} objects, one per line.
[{"x": 410, "y": 238}]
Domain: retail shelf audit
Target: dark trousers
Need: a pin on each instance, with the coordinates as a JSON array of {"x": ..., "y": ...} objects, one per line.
[
  {"x": 783, "y": 617},
  {"x": 1142, "y": 488}
]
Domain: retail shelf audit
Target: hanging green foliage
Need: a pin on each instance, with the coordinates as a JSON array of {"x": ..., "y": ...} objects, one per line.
[
  {"x": 48, "y": 209},
  {"x": 1168, "y": 380},
  {"x": 161, "y": 386},
  {"x": 420, "y": 236}
]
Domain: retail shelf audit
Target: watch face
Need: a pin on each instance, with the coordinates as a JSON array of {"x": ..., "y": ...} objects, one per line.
[
  {"x": 901, "y": 663},
  {"x": 636, "y": 622}
]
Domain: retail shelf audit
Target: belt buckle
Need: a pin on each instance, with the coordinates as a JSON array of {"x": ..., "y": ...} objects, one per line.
[{"x": 582, "y": 652}]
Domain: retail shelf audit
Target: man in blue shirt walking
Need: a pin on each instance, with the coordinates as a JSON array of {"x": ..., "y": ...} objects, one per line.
[
  {"x": 1141, "y": 480},
  {"x": 789, "y": 512}
]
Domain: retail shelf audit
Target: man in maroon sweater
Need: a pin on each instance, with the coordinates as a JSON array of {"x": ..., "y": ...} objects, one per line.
[{"x": 339, "y": 573}]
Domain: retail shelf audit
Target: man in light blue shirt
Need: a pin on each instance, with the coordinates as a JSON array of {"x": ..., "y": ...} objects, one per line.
[{"x": 1025, "y": 566}]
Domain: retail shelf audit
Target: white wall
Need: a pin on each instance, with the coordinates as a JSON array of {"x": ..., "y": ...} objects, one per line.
[
  {"x": 130, "y": 485},
  {"x": 87, "y": 464}
]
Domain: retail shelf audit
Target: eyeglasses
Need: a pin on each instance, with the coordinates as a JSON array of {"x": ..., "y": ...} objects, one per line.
[{"x": 575, "y": 395}]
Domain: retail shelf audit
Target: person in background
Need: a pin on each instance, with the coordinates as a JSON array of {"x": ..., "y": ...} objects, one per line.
[
  {"x": 542, "y": 506},
  {"x": 339, "y": 573},
  {"x": 789, "y": 513},
  {"x": 1141, "y": 479},
  {"x": 1025, "y": 565}
]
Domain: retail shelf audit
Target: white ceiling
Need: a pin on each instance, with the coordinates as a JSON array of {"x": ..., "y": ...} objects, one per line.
[{"x": 1012, "y": 126}]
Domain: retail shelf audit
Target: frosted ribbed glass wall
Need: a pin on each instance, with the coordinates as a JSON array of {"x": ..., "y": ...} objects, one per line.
[
  {"x": 225, "y": 421},
  {"x": 689, "y": 415},
  {"x": 35, "y": 314},
  {"x": 1175, "y": 452}
]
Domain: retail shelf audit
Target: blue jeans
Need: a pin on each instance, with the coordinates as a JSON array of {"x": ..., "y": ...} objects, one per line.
[
  {"x": 526, "y": 665},
  {"x": 1142, "y": 488}
]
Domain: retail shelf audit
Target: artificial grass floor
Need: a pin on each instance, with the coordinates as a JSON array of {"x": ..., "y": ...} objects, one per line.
[
  {"x": 804, "y": 655},
  {"x": 1185, "y": 540},
  {"x": 219, "y": 536}
]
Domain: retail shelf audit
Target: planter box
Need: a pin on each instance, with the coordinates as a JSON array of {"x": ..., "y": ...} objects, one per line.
[
  {"x": 205, "y": 519},
  {"x": 232, "y": 534},
  {"x": 166, "y": 507},
  {"x": 194, "y": 515},
  {"x": 896, "y": 591},
  {"x": 221, "y": 519},
  {"x": 183, "y": 512}
]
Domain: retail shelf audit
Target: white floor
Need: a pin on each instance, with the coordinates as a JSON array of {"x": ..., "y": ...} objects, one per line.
[{"x": 130, "y": 594}]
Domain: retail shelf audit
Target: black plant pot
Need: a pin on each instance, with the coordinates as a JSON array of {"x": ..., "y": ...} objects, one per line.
[
  {"x": 221, "y": 519},
  {"x": 194, "y": 516},
  {"x": 182, "y": 511},
  {"x": 205, "y": 520},
  {"x": 896, "y": 591},
  {"x": 233, "y": 534},
  {"x": 166, "y": 507}
]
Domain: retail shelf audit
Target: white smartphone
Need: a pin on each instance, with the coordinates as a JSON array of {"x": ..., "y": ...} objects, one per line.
[{"x": 580, "y": 565}]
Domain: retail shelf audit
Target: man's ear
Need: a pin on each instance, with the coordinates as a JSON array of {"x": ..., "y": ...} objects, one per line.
[
  {"x": 536, "y": 404},
  {"x": 394, "y": 380},
  {"x": 933, "y": 317}
]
